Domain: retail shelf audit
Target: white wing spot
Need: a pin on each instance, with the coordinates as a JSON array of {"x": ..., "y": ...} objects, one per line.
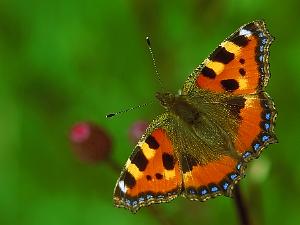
[
  {"x": 122, "y": 186},
  {"x": 245, "y": 32}
]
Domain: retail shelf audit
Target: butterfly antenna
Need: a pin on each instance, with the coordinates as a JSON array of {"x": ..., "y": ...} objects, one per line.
[
  {"x": 154, "y": 62},
  {"x": 110, "y": 115}
]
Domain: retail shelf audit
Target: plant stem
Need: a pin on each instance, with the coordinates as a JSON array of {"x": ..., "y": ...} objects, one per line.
[{"x": 241, "y": 206}]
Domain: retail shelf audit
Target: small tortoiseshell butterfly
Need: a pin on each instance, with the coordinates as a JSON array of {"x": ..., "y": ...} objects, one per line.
[{"x": 223, "y": 118}]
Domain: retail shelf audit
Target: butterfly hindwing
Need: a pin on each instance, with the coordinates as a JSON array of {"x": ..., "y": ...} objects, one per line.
[
  {"x": 151, "y": 174},
  {"x": 208, "y": 162},
  {"x": 256, "y": 127},
  {"x": 214, "y": 178}
]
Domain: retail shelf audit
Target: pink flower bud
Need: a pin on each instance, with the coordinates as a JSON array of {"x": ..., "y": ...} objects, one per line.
[{"x": 90, "y": 142}]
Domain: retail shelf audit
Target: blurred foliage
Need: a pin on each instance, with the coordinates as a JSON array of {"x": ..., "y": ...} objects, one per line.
[{"x": 66, "y": 61}]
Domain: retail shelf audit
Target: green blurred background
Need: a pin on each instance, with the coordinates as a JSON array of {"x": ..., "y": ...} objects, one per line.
[{"x": 67, "y": 61}]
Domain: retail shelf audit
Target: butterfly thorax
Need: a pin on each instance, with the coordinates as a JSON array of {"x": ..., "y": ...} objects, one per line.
[{"x": 180, "y": 106}]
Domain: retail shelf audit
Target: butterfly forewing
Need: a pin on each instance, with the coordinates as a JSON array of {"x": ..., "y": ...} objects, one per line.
[
  {"x": 151, "y": 174},
  {"x": 239, "y": 65}
]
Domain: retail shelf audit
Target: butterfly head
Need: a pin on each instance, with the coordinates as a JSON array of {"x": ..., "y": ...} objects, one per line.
[{"x": 166, "y": 99}]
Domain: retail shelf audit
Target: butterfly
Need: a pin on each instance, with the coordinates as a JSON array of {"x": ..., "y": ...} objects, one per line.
[{"x": 223, "y": 118}]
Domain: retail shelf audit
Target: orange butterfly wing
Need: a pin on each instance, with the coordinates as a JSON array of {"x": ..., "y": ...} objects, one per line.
[
  {"x": 217, "y": 177},
  {"x": 239, "y": 65},
  {"x": 151, "y": 174}
]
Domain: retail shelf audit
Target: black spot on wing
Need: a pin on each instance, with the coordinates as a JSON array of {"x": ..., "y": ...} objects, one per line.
[
  {"x": 168, "y": 161},
  {"x": 148, "y": 177},
  {"x": 222, "y": 55},
  {"x": 230, "y": 84},
  {"x": 139, "y": 159},
  {"x": 158, "y": 176},
  {"x": 129, "y": 180},
  {"x": 240, "y": 41},
  {"x": 242, "y": 61},
  {"x": 187, "y": 163},
  {"x": 242, "y": 71},
  {"x": 152, "y": 143},
  {"x": 208, "y": 72}
]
